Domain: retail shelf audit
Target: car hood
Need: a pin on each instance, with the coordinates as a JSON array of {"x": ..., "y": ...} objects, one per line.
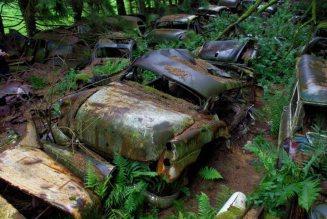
[
  {"x": 127, "y": 119},
  {"x": 226, "y": 51}
]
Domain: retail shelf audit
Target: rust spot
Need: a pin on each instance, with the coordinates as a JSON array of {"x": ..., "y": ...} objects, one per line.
[
  {"x": 31, "y": 161},
  {"x": 45, "y": 186},
  {"x": 176, "y": 71}
]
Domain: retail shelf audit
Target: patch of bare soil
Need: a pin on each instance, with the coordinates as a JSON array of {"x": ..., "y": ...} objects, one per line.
[{"x": 235, "y": 164}]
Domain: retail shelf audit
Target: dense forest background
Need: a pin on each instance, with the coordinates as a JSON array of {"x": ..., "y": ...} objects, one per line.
[{"x": 28, "y": 16}]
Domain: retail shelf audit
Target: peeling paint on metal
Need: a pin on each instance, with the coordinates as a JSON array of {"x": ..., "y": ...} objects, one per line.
[{"x": 45, "y": 179}]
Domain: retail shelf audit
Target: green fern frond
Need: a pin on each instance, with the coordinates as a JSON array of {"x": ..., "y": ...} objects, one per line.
[
  {"x": 102, "y": 186},
  {"x": 118, "y": 213},
  {"x": 223, "y": 195},
  {"x": 137, "y": 174},
  {"x": 287, "y": 193},
  {"x": 122, "y": 169},
  {"x": 91, "y": 179},
  {"x": 135, "y": 199},
  {"x": 309, "y": 193},
  {"x": 116, "y": 196},
  {"x": 205, "y": 209},
  {"x": 209, "y": 173}
]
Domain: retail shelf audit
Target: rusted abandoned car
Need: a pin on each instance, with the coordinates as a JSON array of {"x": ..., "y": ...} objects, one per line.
[
  {"x": 111, "y": 54},
  {"x": 318, "y": 44},
  {"x": 174, "y": 27},
  {"x": 307, "y": 107},
  {"x": 211, "y": 11},
  {"x": 234, "y": 51},
  {"x": 114, "y": 45},
  {"x": 159, "y": 113},
  {"x": 32, "y": 174},
  {"x": 59, "y": 46}
]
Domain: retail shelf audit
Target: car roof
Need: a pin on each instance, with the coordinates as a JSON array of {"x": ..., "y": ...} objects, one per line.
[
  {"x": 195, "y": 74},
  {"x": 312, "y": 76},
  {"x": 184, "y": 18},
  {"x": 115, "y": 42},
  {"x": 210, "y": 7}
]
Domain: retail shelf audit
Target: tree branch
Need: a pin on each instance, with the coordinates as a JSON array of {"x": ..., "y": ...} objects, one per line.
[{"x": 245, "y": 15}]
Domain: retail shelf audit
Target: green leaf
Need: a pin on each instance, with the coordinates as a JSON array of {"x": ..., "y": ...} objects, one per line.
[
  {"x": 205, "y": 208},
  {"x": 209, "y": 173},
  {"x": 309, "y": 193}
]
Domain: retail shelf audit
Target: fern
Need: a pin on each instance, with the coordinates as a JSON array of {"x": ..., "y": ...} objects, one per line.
[
  {"x": 91, "y": 179},
  {"x": 112, "y": 66},
  {"x": 205, "y": 208},
  {"x": 223, "y": 195},
  {"x": 209, "y": 173},
  {"x": 309, "y": 193},
  {"x": 126, "y": 196},
  {"x": 278, "y": 186}
]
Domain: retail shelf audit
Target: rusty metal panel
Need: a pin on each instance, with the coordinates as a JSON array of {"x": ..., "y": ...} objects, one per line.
[
  {"x": 312, "y": 76},
  {"x": 167, "y": 34},
  {"x": 224, "y": 51},
  {"x": 123, "y": 118},
  {"x": 195, "y": 74},
  {"x": 183, "y": 18},
  {"x": 284, "y": 126},
  {"x": 210, "y": 8},
  {"x": 7, "y": 211},
  {"x": 35, "y": 173},
  {"x": 79, "y": 162},
  {"x": 184, "y": 149}
]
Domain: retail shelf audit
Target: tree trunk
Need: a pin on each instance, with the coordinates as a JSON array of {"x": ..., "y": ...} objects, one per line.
[
  {"x": 141, "y": 6},
  {"x": 27, "y": 8},
  {"x": 77, "y": 6},
  {"x": 121, "y": 7},
  {"x": 130, "y": 5}
]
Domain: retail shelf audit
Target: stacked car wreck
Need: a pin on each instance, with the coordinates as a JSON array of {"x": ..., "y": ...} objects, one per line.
[
  {"x": 161, "y": 110},
  {"x": 150, "y": 125}
]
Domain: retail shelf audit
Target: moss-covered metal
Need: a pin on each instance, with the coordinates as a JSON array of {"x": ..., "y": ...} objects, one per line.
[{"x": 127, "y": 119}]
